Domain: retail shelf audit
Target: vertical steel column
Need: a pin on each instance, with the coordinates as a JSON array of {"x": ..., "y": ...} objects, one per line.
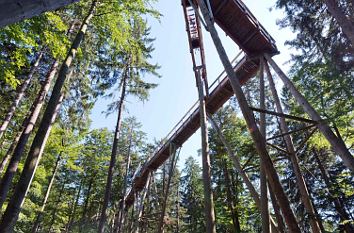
[
  {"x": 195, "y": 39},
  {"x": 258, "y": 139},
  {"x": 263, "y": 178},
  {"x": 305, "y": 197},
  {"x": 238, "y": 168},
  {"x": 121, "y": 208},
  {"x": 280, "y": 226},
  {"x": 173, "y": 150},
  {"x": 208, "y": 194},
  {"x": 141, "y": 204}
]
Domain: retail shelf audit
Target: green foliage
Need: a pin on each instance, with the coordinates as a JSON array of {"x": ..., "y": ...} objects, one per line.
[
  {"x": 323, "y": 67},
  {"x": 21, "y": 40},
  {"x": 118, "y": 48},
  {"x": 192, "y": 197},
  {"x": 236, "y": 210}
]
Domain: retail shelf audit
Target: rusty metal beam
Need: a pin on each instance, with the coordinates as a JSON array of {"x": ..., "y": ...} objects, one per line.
[
  {"x": 278, "y": 148},
  {"x": 284, "y": 115},
  {"x": 291, "y": 132}
]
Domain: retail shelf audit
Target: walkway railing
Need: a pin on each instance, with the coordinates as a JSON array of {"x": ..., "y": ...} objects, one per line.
[
  {"x": 194, "y": 107},
  {"x": 237, "y": 61},
  {"x": 186, "y": 117}
]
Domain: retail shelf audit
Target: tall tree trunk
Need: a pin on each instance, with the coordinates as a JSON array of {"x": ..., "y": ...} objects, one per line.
[
  {"x": 239, "y": 169},
  {"x": 39, "y": 217},
  {"x": 337, "y": 145},
  {"x": 338, "y": 204},
  {"x": 149, "y": 206},
  {"x": 107, "y": 194},
  {"x": 263, "y": 178},
  {"x": 13, "y": 209},
  {"x": 73, "y": 212},
  {"x": 163, "y": 178},
  {"x": 230, "y": 201},
  {"x": 173, "y": 151},
  {"x": 130, "y": 222},
  {"x": 177, "y": 209},
  {"x": 342, "y": 19},
  {"x": 281, "y": 227},
  {"x": 139, "y": 222},
  {"x": 86, "y": 203},
  {"x": 28, "y": 127},
  {"x": 9, "y": 152},
  {"x": 15, "y": 11},
  {"x": 208, "y": 193},
  {"x": 121, "y": 209},
  {"x": 257, "y": 137},
  {"x": 20, "y": 92},
  {"x": 317, "y": 214},
  {"x": 36, "y": 165},
  {"x": 300, "y": 181},
  {"x": 57, "y": 203}
]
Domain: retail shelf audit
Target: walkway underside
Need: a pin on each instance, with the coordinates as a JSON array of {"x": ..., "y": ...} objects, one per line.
[
  {"x": 237, "y": 21},
  {"x": 234, "y": 18},
  {"x": 245, "y": 70}
]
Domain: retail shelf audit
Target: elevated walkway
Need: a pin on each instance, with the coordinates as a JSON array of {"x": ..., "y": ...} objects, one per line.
[
  {"x": 220, "y": 92},
  {"x": 236, "y": 20}
]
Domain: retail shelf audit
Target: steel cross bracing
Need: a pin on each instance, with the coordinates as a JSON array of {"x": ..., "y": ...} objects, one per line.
[{"x": 235, "y": 19}]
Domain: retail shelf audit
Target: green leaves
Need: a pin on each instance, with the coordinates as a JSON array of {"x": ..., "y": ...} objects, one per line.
[{"x": 22, "y": 40}]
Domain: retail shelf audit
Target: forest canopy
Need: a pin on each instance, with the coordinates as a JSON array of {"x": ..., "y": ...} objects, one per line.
[{"x": 269, "y": 149}]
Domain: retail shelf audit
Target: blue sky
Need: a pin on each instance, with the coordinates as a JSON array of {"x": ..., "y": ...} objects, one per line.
[{"x": 177, "y": 91}]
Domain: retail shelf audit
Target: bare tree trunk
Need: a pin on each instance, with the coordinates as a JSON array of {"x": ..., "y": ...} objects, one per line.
[
  {"x": 317, "y": 214},
  {"x": 337, "y": 145},
  {"x": 239, "y": 169},
  {"x": 9, "y": 152},
  {"x": 57, "y": 202},
  {"x": 13, "y": 209},
  {"x": 300, "y": 181},
  {"x": 177, "y": 209},
  {"x": 164, "y": 178},
  {"x": 342, "y": 19},
  {"x": 28, "y": 127},
  {"x": 173, "y": 151},
  {"x": 86, "y": 203},
  {"x": 281, "y": 227},
  {"x": 208, "y": 193},
  {"x": 15, "y": 11},
  {"x": 338, "y": 204},
  {"x": 258, "y": 139},
  {"x": 39, "y": 217},
  {"x": 263, "y": 178},
  {"x": 108, "y": 190},
  {"x": 230, "y": 202},
  {"x": 130, "y": 222},
  {"x": 121, "y": 210},
  {"x": 141, "y": 207},
  {"x": 19, "y": 93},
  {"x": 73, "y": 213}
]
